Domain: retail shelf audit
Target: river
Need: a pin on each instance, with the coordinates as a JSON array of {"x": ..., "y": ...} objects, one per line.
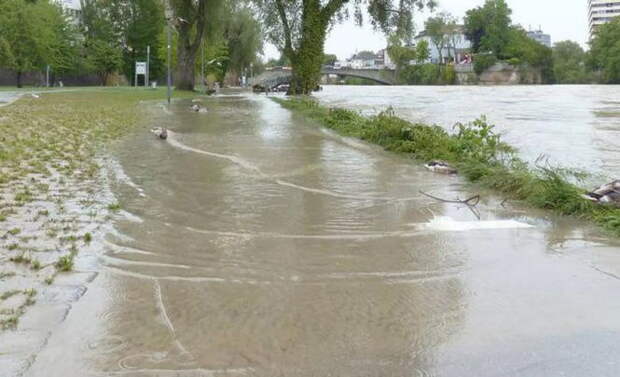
[
  {"x": 255, "y": 243},
  {"x": 573, "y": 126}
]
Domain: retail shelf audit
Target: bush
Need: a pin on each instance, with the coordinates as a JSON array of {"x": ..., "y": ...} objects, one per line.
[{"x": 483, "y": 62}]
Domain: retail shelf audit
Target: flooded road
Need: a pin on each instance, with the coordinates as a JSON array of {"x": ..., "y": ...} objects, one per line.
[
  {"x": 254, "y": 243},
  {"x": 574, "y": 126}
]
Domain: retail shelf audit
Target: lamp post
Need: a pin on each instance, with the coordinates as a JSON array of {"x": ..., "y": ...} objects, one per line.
[{"x": 169, "y": 20}]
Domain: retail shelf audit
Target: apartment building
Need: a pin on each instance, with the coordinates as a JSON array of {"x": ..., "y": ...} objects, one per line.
[
  {"x": 602, "y": 11},
  {"x": 540, "y": 37}
]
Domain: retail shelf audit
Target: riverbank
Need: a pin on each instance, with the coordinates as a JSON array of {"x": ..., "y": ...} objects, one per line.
[
  {"x": 55, "y": 201},
  {"x": 476, "y": 150}
]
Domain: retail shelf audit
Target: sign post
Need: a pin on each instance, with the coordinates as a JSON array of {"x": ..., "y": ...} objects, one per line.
[
  {"x": 140, "y": 70},
  {"x": 148, "y": 66}
]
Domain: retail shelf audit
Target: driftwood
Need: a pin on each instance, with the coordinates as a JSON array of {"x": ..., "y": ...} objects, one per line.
[{"x": 471, "y": 203}]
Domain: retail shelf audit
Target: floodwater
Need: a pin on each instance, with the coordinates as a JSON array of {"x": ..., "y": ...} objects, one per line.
[
  {"x": 254, "y": 243},
  {"x": 573, "y": 126}
]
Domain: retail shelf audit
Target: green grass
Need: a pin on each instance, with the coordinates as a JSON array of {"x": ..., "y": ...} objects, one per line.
[
  {"x": 65, "y": 263},
  {"x": 476, "y": 150}
]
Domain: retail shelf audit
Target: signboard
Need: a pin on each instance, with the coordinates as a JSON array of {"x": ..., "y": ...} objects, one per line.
[{"x": 140, "y": 68}]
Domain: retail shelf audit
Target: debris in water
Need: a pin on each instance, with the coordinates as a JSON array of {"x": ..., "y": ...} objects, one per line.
[
  {"x": 440, "y": 167},
  {"x": 606, "y": 194},
  {"x": 160, "y": 132}
]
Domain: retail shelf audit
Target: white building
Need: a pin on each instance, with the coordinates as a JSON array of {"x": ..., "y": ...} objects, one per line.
[
  {"x": 540, "y": 37},
  {"x": 73, "y": 8},
  {"x": 458, "y": 45},
  {"x": 601, "y": 12}
]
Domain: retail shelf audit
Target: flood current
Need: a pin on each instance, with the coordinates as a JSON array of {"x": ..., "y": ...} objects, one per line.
[{"x": 255, "y": 243}]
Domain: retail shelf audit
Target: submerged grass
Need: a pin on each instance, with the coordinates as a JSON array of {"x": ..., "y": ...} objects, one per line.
[{"x": 476, "y": 150}]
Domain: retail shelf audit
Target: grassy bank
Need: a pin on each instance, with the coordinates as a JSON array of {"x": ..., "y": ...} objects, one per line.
[
  {"x": 53, "y": 198},
  {"x": 476, "y": 150}
]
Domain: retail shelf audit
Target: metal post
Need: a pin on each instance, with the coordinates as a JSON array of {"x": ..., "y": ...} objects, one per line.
[
  {"x": 47, "y": 76},
  {"x": 169, "y": 58},
  {"x": 148, "y": 66},
  {"x": 135, "y": 79},
  {"x": 202, "y": 68}
]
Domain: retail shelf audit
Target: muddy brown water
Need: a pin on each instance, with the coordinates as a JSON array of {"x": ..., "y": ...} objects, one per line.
[{"x": 254, "y": 243}]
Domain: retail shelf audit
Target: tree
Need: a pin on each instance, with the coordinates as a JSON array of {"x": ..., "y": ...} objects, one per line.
[
  {"x": 605, "y": 52},
  {"x": 400, "y": 54},
  {"x": 191, "y": 19},
  {"x": 522, "y": 49},
  {"x": 330, "y": 59},
  {"x": 299, "y": 28},
  {"x": 437, "y": 31},
  {"x": 103, "y": 59},
  {"x": 32, "y": 35},
  {"x": 244, "y": 39},
  {"x": 422, "y": 52},
  {"x": 569, "y": 63},
  {"x": 102, "y": 43},
  {"x": 488, "y": 27},
  {"x": 139, "y": 21}
]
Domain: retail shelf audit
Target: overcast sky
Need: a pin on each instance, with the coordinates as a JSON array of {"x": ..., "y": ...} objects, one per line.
[{"x": 563, "y": 19}]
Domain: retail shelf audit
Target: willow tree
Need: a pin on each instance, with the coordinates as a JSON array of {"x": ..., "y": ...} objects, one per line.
[
  {"x": 191, "y": 19},
  {"x": 299, "y": 28}
]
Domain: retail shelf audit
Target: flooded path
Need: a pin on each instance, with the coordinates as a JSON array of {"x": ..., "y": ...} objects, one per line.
[{"x": 254, "y": 243}]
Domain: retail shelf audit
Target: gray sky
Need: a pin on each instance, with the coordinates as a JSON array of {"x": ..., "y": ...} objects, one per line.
[{"x": 563, "y": 19}]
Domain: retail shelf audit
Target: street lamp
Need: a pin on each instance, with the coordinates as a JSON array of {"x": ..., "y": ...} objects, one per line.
[{"x": 169, "y": 15}]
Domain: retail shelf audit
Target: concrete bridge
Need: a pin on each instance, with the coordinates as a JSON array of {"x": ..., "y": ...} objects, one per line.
[{"x": 273, "y": 78}]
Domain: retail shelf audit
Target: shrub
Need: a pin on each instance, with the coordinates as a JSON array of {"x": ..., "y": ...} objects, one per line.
[{"x": 483, "y": 62}]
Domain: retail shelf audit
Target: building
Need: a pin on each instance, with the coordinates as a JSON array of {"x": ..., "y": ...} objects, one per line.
[
  {"x": 540, "y": 37},
  {"x": 73, "y": 9},
  {"x": 456, "y": 49},
  {"x": 601, "y": 12}
]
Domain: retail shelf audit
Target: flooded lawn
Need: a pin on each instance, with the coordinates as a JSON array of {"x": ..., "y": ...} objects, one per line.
[{"x": 254, "y": 243}]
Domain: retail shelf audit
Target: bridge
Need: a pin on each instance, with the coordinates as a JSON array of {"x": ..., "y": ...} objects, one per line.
[{"x": 273, "y": 78}]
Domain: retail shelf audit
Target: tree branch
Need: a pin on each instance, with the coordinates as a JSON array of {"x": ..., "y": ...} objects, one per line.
[
  {"x": 288, "y": 40},
  {"x": 331, "y": 8}
]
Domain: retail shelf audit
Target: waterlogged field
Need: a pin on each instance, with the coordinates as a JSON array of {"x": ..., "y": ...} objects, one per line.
[{"x": 54, "y": 196}]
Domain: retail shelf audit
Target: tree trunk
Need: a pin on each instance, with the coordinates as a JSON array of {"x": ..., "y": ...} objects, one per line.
[
  {"x": 19, "y": 79},
  {"x": 308, "y": 58},
  {"x": 185, "y": 75}
]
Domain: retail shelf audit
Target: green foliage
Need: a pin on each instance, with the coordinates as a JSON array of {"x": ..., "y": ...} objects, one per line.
[
  {"x": 442, "y": 30},
  {"x": 34, "y": 34},
  {"x": 569, "y": 63},
  {"x": 422, "y": 51},
  {"x": 490, "y": 31},
  {"x": 483, "y": 62},
  {"x": 488, "y": 27},
  {"x": 605, "y": 52},
  {"x": 244, "y": 39},
  {"x": 530, "y": 52},
  {"x": 299, "y": 28},
  {"x": 192, "y": 20},
  {"x": 428, "y": 74},
  {"x": 103, "y": 58},
  {"x": 65, "y": 263},
  {"x": 330, "y": 59},
  {"x": 142, "y": 20},
  {"x": 400, "y": 54},
  {"x": 359, "y": 81},
  {"x": 478, "y": 152}
]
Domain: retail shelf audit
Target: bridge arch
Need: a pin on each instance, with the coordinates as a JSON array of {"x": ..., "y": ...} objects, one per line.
[{"x": 271, "y": 79}]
